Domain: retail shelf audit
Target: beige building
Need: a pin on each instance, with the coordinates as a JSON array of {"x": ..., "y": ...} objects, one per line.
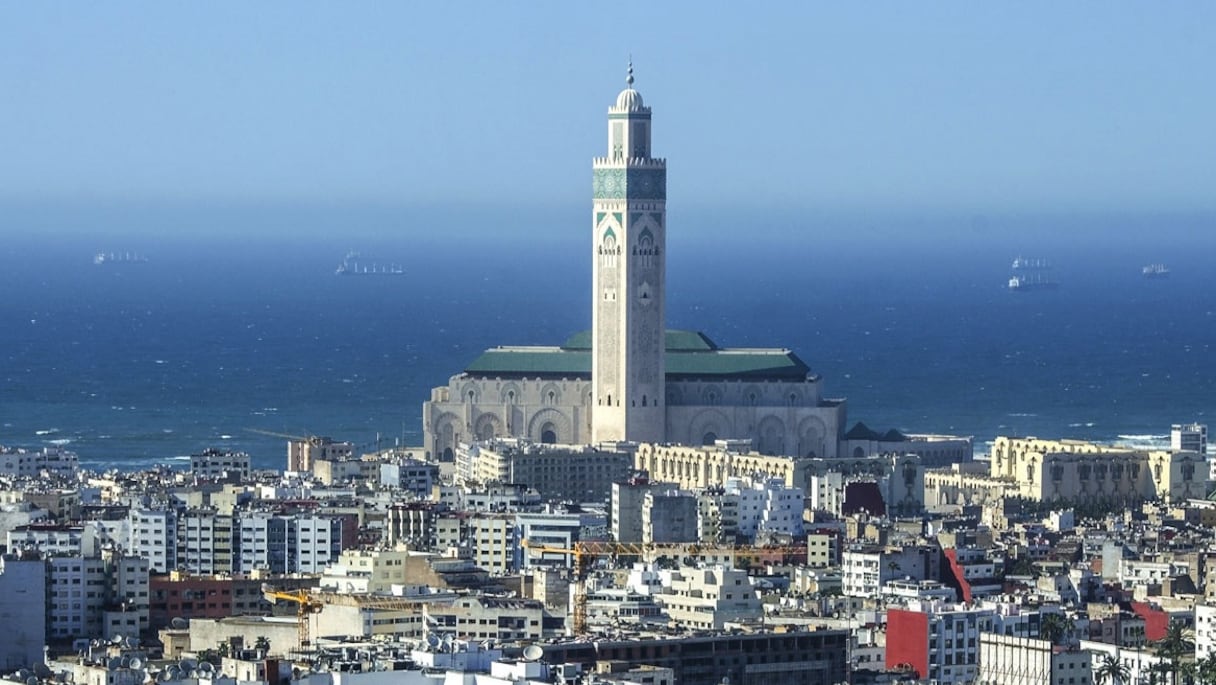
[
  {"x": 565, "y": 472},
  {"x": 1076, "y": 470},
  {"x": 302, "y": 452},
  {"x": 707, "y": 598},
  {"x": 359, "y": 570}
]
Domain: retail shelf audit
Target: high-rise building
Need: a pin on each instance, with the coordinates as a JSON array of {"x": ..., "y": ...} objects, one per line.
[{"x": 628, "y": 275}]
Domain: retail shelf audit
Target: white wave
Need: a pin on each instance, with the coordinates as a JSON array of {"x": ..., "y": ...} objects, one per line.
[
  {"x": 1146, "y": 438},
  {"x": 60, "y": 441},
  {"x": 225, "y": 437},
  {"x": 166, "y": 430},
  {"x": 48, "y": 431},
  {"x": 1022, "y": 414},
  {"x": 179, "y": 458}
]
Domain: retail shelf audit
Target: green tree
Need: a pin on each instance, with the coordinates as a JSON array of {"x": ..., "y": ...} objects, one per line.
[
  {"x": 1204, "y": 670},
  {"x": 1111, "y": 669},
  {"x": 262, "y": 644},
  {"x": 1177, "y": 644},
  {"x": 1055, "y": 627}
]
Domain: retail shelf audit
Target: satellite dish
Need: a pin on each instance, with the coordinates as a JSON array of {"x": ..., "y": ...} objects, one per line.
[
  {"x": 164, "y": 676},
  {"x": 533, "y": 652},
  {"x": 135, "y": 664},
  {"x": 447, "y": 643},
  {"x": 432, "y": 640},
  {"x": 43, "y": 671},
  {"x": 295, "y": 674},
  {"x": 69, "y": 677},
  {"x": 206, "y": 667},
  {"x": 125, "y": 661},
  {"x": 174, "y": 672},
  {"x": 179, "y": 623},
  {"x": 114, "y": 664},
  {"x": 31, "y": 681},
  {"x": 22, "y": 674},
  {"x": 187, "y": 664},
  {"x": 117, "y": 639}
]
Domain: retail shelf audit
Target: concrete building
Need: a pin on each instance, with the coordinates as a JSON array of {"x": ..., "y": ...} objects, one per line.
[
  {"x": 790, "y": 658},
  {"x": 49, "y": 461},
  {"x": 1205, "y": 630},
  {"x": 215, "y": 464},
  {"x": 500, "y": 618},
  {"x": 669, "y": 516},
  {"x": 96, "y": 596},
  {"x": 626, "y": 513},
  {"x": 865, "y": 570},
  {"x": 1076, "y": 470},
  {"x": 154, "y": 537},
  {"x": 301, "y": 452},
  {"x": 23, "y": 605},
  {"x": 1024, "y": 661},
  {"x": 938, "y": 641},
  {"x": 414, "y": 477},
  {"x": 557, "y": 472},
  {"x": 709, "y": 598},
  {"x": 204, "y": 541},
  {"x": 629, "y": 379}
]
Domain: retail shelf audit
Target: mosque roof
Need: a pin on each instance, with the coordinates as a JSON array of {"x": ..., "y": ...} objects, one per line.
[{"x": 690, "y": 354}]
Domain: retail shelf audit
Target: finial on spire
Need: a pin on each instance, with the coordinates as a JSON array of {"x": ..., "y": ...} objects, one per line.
[{"x": 629, "y": 77}]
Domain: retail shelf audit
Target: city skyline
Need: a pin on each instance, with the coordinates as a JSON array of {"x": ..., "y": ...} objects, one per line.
[{"x": 1086, "y": 108}]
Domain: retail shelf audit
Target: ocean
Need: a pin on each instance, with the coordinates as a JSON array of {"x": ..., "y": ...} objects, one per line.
[{"x": 231, "y": 341}]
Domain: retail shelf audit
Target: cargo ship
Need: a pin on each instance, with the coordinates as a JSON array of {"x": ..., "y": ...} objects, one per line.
[{"x": 352, "y": 266}]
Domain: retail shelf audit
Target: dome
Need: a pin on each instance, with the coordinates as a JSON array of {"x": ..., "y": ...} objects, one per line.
[{"x": 629, "y": 99}]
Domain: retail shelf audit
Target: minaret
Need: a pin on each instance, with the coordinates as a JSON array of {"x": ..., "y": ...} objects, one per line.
[{"x": 628, "y": 279}]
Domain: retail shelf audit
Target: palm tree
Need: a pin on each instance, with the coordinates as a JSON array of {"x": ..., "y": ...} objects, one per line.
[
  {"x": 1178, "y": 642},
  {"x": 1204, "y": 670},
  {"x": 1055, "y": 627},
  {"x": 1112, "y": 670},
  {"x": 262, "y": 645}
]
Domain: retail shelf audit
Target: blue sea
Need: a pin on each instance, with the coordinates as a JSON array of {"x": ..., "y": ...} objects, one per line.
[{"x": 237, "y": 326}]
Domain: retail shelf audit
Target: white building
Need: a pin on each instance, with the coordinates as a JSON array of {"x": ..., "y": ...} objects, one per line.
[
  {"x": 708, "y": 598},
  {"x": 154, "y": 537},
  {"x": 23, "y": 607},
  {"x": 940, "y": 641},
  {"x": 1023, "y": 661},
  {"x": 767, "y": 506},
  {"x": 49, "y": 461},
  {"x": 214, "y": 464},
  {"x": 866, "y": 570},
  {"x": 1205, "y": 630},
  {"x": 96, "y": 596}
]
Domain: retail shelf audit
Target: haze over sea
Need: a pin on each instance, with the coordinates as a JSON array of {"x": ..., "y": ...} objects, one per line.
[{"x": 908, "y": 317}]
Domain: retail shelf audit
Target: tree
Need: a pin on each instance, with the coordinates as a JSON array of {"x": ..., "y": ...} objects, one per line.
[
  {"x": 1204, "y": 670},
  {"x": 262, "y": 644},
  {"x": 1055, "y": 627},
  {"x": 1178, "y": 643},
  {"x": 1112, "y": 670}
]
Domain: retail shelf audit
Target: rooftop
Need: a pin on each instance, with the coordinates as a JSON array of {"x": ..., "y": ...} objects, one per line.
[{"x": 690, "y": 355}]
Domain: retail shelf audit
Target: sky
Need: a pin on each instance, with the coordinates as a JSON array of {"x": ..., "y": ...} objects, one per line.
[{"x": 972, "y": 108}]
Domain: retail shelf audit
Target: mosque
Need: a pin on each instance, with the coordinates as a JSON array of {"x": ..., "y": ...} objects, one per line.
[{"x": 629, "y": 378}]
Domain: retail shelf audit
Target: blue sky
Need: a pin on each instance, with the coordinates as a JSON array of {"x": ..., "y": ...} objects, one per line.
[{"x": 967, "y": 107}]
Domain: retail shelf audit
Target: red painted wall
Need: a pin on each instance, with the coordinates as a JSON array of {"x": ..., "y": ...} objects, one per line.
[
  {"x": 957, "y": 572},
  {"x": 908, "y": 640},
  {"x": 1155, "y": 620}
]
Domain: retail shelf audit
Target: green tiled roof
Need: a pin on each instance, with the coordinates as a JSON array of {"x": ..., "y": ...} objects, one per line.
[
  {"x": 677, "y": 341},
  {"x": 689, "y": 355}
]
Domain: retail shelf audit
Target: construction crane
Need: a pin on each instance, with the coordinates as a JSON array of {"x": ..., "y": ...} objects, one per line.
[
  {"x": 307, "y": 606},
  {"x": 584, "y": 553}
]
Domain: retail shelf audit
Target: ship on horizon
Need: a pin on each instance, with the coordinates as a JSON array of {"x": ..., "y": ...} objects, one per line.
[
  {"x": 1031, "y": 274},
  {"x": 1157, "y": 270},
  {"x": 351, "y": 266},
  {"x": 102, "y": 258}
]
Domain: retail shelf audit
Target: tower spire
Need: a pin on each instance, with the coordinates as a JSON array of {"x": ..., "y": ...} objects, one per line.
[{"x": 629, "y": 73}]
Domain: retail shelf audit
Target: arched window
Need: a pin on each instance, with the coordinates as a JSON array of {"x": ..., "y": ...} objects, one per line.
[{"x": 548, "y": 436}]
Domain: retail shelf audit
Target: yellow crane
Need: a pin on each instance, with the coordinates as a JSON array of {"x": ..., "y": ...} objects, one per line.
[
  {"x": 584, "y": 553},
  {"x": 307, "y": 606}
]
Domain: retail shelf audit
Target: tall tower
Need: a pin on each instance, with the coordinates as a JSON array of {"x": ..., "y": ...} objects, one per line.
[{"x": 628, "y": 279}]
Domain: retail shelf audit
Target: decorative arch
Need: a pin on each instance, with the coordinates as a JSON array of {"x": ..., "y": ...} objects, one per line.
[
  {"x": 811, "y": 433},
  {"x": 487, "y": 427},
  {"x": 770, "y": 436},
  {"x": 708, "y": 421},
  {"x": 549, "y": 419},
  {"x": 551, "y": 394},
  {"x": 470, "y": 392},
  {"x": 511, "y": 393},
  {"x": 713, "y": 395},
  {"x": 445, "y": 429}
]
